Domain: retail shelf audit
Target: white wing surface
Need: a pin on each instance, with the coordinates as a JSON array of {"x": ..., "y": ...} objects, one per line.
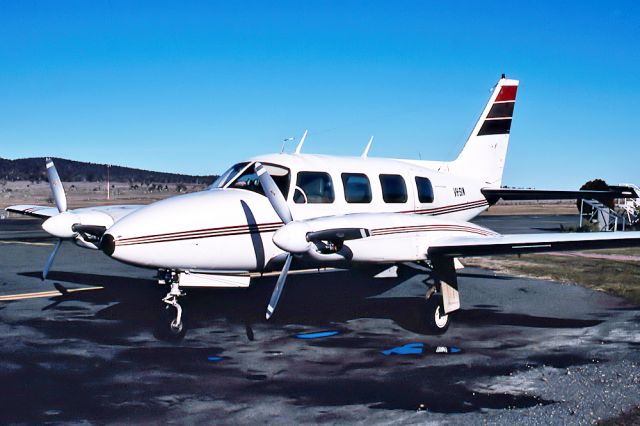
[
  {"x": 44, "y": 212},
  {"x": 462, "y": 246}
]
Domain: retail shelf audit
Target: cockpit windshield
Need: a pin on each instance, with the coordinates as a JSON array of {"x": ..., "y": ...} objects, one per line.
[
  {"x": 242, "y": 177},
  {"x": 227, "y": 176}
]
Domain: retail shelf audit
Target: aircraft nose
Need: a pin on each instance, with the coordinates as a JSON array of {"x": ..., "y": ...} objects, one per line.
[{"x": 108, "y": 244}]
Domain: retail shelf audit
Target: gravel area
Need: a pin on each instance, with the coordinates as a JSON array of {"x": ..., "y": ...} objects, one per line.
[{"x": 520, "y": 351}]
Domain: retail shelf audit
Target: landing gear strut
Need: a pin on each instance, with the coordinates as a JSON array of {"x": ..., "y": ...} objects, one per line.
[{"x": 172, "y": 327}]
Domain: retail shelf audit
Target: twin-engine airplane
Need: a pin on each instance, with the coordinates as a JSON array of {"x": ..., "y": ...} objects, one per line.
[{"x": 282, "y": 211}]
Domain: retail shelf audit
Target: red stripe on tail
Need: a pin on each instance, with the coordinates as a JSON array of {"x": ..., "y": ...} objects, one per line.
[{"x": 507, "y": 93}]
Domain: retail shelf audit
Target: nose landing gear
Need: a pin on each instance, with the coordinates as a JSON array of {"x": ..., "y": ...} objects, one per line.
[
  {"x": 172, "y": 327},
  {"x": 171, "y": 299}
]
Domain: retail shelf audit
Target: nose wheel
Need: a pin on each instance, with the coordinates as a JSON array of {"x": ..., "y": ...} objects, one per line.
[{"x": 172, "y": 326}]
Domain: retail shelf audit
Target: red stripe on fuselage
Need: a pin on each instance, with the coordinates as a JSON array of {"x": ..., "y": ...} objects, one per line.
[
  {"x": 206, "y": 230},
  {"x": 269, "y": 227},
  {"x": 450, "y": 209}
]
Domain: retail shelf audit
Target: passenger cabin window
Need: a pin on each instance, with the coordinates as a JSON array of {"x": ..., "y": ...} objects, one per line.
[
  {"x": 313, "y": 187},
  {"x": 425, "y": 190},
  {"x": 357, "y": 188},
  {"x": 394, "y": 190},
  {"x": 249, "y": 179}
]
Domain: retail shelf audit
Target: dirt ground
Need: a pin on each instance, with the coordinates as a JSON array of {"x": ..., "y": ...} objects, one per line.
[{"x": 83, "y": 194}]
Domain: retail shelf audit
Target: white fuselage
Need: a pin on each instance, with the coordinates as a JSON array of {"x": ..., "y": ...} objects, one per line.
[{"x": 230, "y": 227}]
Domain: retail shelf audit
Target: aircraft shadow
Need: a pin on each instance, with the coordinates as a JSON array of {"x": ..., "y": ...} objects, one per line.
[
  {"x": 320, "y": 300},
  {"x": 490, "y": 317}
]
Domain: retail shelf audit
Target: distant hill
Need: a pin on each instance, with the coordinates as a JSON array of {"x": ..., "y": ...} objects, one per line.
[{"x": 33, "y": 169}]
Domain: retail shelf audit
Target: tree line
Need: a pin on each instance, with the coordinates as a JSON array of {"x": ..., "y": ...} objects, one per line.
[{"x": 33, "y": 170}]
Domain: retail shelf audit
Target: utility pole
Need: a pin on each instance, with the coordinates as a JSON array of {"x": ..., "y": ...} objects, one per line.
[{"x": 108, "y": 184}]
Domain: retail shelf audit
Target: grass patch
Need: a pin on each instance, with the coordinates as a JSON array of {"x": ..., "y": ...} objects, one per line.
[
  {"x": 621, "y": 278},
  {"x": 634, "y": 251}
]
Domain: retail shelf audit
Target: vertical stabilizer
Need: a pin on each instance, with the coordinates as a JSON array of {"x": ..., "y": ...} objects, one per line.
[{"x": 483, "y": 156}]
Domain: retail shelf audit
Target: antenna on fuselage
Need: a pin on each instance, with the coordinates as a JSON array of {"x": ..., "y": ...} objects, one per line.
[
  {"x": 365, "y": 153},
  {"x": 284, "y": 142},
  {"x": 299, "y": 147}
]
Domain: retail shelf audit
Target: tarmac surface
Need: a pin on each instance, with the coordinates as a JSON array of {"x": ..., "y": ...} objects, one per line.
[{"x": 342, "y": 348}]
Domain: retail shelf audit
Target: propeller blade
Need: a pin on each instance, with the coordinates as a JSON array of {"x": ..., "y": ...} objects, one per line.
[
  {"x": 57, "y": 190},
  {"x": 338, "y": 234},
  {"x": 52, "y": 256},
  {"x": 279, "y": 286},
  {"x": 273, "y": 193}
]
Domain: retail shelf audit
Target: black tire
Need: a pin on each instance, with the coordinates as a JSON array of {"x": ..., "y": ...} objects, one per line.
[
  {"x": 166, "y": 329},
  {"x": 434, "y": 320}
]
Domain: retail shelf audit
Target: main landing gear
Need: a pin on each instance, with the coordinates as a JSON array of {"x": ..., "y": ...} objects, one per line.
[
  {"x": 442, "y": 299},
  {"x": 172, "y": 327}
]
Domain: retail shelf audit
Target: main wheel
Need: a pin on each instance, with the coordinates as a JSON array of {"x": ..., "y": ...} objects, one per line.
[{"x": 436, "y": 320}]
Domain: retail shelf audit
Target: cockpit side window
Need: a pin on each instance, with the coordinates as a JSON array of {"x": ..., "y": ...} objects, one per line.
[
  {"x": 314, "y": 187},
  {"x": 249, "y": 179}
]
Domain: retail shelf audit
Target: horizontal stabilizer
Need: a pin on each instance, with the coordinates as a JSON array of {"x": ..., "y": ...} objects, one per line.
[{"x": 494, "y": 194}]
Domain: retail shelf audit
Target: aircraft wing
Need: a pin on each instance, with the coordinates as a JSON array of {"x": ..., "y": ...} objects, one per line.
[
  {"x": 116, "y": 212},
  {"x": 494, "y": 194},
  {"x": 458, "y": 246},
  {"x": 44, "y": 212}
]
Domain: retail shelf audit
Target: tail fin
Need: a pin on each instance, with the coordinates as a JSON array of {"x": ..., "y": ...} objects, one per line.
[{"x": 483, "y": 155}]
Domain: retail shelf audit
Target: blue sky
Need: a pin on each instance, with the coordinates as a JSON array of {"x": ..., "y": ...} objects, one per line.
[{"x": 192, "y": 87}]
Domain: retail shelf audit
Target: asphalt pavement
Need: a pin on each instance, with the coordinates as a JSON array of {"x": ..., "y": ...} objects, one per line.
[{"x": 342, "y": 348}]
